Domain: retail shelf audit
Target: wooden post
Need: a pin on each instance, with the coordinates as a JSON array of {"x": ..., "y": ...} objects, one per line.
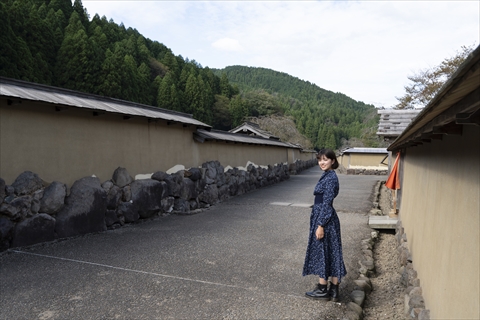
[{"x": 394, "y": 212}]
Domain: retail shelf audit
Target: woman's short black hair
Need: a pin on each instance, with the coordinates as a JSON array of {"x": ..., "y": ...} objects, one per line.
[{"x": 330, "y": 154}]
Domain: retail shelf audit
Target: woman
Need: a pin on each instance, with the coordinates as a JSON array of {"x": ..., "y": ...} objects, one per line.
[{"x": 324, "y": 252}]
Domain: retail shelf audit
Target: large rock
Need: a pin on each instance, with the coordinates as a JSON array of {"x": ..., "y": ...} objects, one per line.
[
  {"x": 9, "y": 211},
  {"x": 160, "y": 176},
  {"x": 107, "y": 185},
  {"x": 223, "y": 192},
  {"x": 232, "y": 182},
  {"x": 35, "y": 207},
  {"x": 39, "y": 228},
  {"x": 358, "y": 297},
  {"x": 126, "y": 211},
  {"x": 209, "y": 195},
  {"x": 178, "y": 185},
  {"x": 22, "y": 205},
  {"x": 27, "y": 183},
  {"x": 220, "y": 180},
  {"x": 194, "y": 174},
  {"x": 84, "y": 210},
  {"x": 167, "y": 204},
  {"x": 189, "y": 190},
  {"x": 126, "y": 194},
  {"x": 147, "y": 196},
  {"x": 121, "y": 177},
  {"x": 210, "y": 169},
  {"x": 6, "y": 232},
  {"x": 181, "y": 206},
  {"x": 2, "y": 190},
  {"x": 9, "y": 191},
  {"x": 364, "y": 285},
  {"x": 114, "y": 196},
  {"x": 200, "y": 186},
  {"x": 53, "y": 198},
  {"x": 111, "y": 219}
]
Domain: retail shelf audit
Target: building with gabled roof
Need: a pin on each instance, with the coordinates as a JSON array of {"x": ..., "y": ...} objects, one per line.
[
  {"x": 393, "y": 122},
  {"x": 439, "y": 207},
  {"x": 253, "y": 129}
]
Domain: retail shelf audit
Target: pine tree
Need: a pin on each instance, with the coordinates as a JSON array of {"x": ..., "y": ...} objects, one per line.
[
  {"x": 221, "y": 109},
  {"x": 65, "y": 6},
  {"x": 145, "y": 96},
  {"x": 82, "y": 13},
  {"x": 193, "y": 95},
  {"x": 111, "y": 78},
  {"x": 72, "y": 58},
  {"x": 164, "y": 92},
  {"x": 238, "y": 110},
  {"x": 15, "y": 57},
  {"x": 224, "y": 86},
  {"x": 170, "y": 61},
  {"x": 130, "y": 79}
]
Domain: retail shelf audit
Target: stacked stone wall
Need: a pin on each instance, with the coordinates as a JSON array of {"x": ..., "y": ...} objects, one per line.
[
  {"x": 33, "y": 211},
  {"x": 414, "y": 302},
  {"x": 367, "y": 172}
]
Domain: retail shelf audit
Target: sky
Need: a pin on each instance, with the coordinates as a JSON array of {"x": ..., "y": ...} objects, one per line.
[{"x": 363, "y": 49}]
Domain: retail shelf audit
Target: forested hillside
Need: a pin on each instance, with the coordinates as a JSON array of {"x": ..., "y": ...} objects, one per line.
[
  {"x": 55, "y": 42},
  {"x": 328, "y": 119}
]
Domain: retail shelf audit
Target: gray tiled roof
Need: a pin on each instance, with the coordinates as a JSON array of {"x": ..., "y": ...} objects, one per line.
[
  {"x": 202, "y": 135},
  {"x": 393, "y": 122},
  {"x": 366, "y": 150},
  {"x": 16, "y": 89}
]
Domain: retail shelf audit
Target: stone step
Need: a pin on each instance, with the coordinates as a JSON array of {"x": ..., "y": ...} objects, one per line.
[{"x": 382, "y": 222}]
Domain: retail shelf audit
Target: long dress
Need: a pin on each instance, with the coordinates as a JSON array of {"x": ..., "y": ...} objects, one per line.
[{"x": 324, "y": 257}]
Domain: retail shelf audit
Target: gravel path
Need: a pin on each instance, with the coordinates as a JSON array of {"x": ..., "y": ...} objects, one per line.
[{"x": 386, "y": 301}]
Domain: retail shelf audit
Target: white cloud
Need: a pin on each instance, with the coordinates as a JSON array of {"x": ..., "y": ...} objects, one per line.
[{"x": 227, "y": 44}]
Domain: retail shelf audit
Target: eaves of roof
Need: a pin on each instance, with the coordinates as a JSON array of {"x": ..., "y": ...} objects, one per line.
[
  {"x": 22, "y": 90},
  {"x": 202, "y": 135},
  {"x": 458, "y": 102},
  {"x": 255, "y": 129},
  {"x": 366, "y": 150}
]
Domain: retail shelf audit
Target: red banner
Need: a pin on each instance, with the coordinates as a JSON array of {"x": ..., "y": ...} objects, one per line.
[{"x": 393, "y": 181}]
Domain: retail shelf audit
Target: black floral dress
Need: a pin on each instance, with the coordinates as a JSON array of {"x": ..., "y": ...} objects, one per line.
[{"x": 324, "y": 257}]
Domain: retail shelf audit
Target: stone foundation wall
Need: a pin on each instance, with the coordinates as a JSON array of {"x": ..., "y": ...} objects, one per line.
[
  {"x": 414, "y": 303},
  {"x": 32, "y": 211},
  {"x": 367, "y": 172}
]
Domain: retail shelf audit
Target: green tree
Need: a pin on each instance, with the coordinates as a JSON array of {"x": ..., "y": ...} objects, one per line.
[
  {"x": 225, "y": 86},
  {"x": 73, "y": 58},
  {"x": 221, "y": 110},
  {"x": 130, "y": 79},
  {"x": 111, "y": 78},
  {"x": 193, "y": 95},
  {"x": 82, "y": 13},
  {"x": 15, "y": 57},
  {"x": 63, "y": 6},
  {"x": 238, "y": 110},
  {"x": 145, "y": 90},
  {"x": 171, "y": 62},
  {"x": 164, "y": 97}
]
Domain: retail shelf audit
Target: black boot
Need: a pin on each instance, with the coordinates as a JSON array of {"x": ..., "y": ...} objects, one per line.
[
  {"x": 333, "y": 292},
  {"x": 320, "y": 292}
]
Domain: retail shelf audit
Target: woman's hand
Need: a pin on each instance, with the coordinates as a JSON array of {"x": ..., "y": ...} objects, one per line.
[{"x": 319, "y": 233}]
